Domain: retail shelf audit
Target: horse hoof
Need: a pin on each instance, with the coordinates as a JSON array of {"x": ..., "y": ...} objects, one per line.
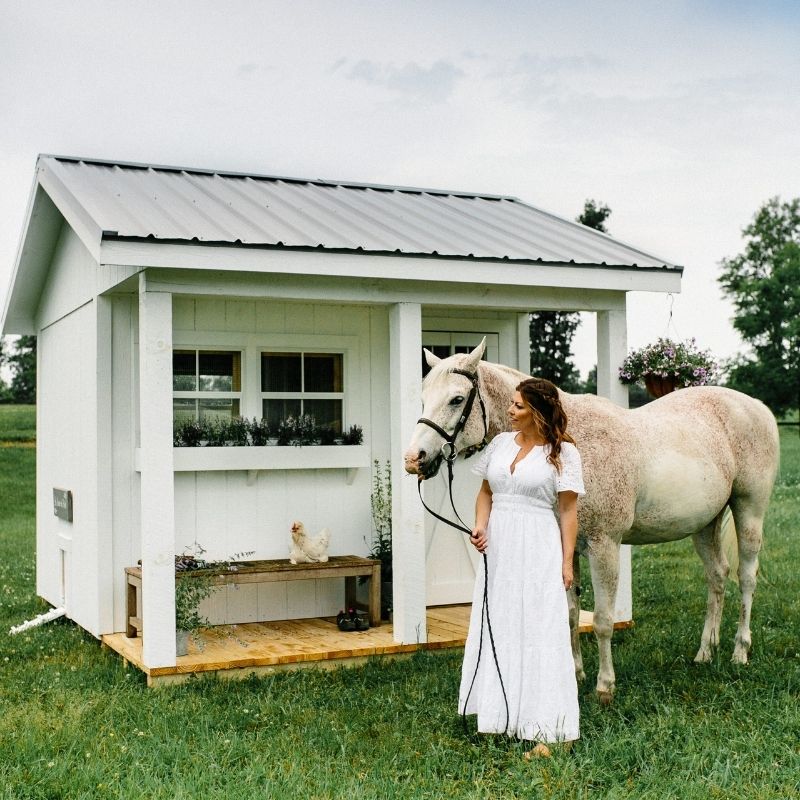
[
  {"x": 739, "y": 656},
  {"x": 580, "y": 676},
  {"x": 703, "y": 657},
  {"x": 605, "y": 698}
]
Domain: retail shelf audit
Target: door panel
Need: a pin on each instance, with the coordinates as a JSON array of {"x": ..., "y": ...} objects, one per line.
[{"x": 451, "y": 561}]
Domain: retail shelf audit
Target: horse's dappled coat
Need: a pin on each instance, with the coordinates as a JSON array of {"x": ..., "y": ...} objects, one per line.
[{"x": 654, "y": 474}]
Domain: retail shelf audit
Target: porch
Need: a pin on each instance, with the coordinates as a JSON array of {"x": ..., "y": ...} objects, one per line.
[{"x": 263, "y": 648}]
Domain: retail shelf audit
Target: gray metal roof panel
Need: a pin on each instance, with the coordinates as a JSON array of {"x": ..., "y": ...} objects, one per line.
[{"x": 175, "y": 204}]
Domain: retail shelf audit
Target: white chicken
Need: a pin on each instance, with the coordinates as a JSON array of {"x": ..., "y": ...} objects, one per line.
[{"x": 306, "y": 548}]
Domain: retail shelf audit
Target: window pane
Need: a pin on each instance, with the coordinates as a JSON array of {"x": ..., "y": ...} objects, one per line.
[
  {"x": 322, "y": 372},
  {"x": 184, "y": 410},
  {"x": 440, "y": 350},
  {"x": 184, "y": 373},
  {"x": 218, "y": 409},
  {"x": 280, "y": 372},
  {"x": 220, "y": 372},
  {"x": 275, "y": 411},
  {"x": 326, "y": 413}
]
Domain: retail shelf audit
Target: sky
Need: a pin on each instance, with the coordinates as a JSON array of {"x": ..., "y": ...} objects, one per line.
[{"x": 682, "y": 117}]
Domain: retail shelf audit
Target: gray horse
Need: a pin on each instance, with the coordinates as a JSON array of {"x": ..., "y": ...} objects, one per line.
[{"x": 654, "y": 474}]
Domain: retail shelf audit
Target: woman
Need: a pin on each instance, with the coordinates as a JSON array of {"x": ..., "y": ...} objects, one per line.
[{"x": 528, "y": 473}]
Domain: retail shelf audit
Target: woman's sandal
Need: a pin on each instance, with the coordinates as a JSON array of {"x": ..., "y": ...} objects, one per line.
[{"x": 539, "y": 751}]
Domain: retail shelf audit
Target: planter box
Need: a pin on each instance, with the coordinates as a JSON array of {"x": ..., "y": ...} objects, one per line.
[{"x": 205, "y": 459}]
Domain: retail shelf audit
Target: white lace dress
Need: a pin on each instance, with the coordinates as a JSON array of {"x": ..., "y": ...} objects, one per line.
[{"x": 527, "y": 601}]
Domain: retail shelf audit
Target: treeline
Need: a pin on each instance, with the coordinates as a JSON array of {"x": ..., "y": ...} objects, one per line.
[{"x": 18, "y": 370}]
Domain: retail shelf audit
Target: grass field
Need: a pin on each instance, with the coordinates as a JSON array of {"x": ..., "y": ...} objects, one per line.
[{"x": 75, "y": 724}]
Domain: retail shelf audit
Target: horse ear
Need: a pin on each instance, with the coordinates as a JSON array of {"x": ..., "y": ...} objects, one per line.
[
  {"x": 473, "y": 359},
  {"x": 430, "y": 358}
]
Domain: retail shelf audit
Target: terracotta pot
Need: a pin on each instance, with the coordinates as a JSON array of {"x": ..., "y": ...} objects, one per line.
[{"x": 658, "y": 386}]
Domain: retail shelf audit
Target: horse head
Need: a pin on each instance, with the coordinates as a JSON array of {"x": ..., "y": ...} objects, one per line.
[{"x": 445, "y": 400}]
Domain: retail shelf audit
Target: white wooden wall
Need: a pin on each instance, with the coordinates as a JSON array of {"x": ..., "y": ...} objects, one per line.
[
  {"x": 227, "y": 512},
  {"x": 71, "y": 563}
]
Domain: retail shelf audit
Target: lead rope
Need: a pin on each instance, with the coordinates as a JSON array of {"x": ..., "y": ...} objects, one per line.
[{"x": 484, "y": 605}]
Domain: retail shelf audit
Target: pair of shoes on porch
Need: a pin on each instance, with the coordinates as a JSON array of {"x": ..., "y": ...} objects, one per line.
[{"x": 352, "y": 620}]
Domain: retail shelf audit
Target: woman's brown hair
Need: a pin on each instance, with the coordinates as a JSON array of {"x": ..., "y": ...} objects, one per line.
[{"x": 542, "y": 396}]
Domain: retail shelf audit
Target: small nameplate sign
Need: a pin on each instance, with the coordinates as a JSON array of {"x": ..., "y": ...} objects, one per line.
[{"x": 62, "y": 504}]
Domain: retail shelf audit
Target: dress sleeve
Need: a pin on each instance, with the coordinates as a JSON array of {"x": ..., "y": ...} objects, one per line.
[
  {"x": 481, "y": 466},
  {"x": 570, "y": 479}
]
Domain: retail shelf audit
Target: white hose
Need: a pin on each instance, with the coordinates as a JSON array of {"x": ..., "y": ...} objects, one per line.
[{"x": 48, "y": 616}]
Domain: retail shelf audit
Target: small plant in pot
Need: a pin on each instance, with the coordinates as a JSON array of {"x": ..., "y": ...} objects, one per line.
[
  {"x": 197, "y": 585},
  {"x": 381, "y": 501},
  {"x": 189, "y": 594}
]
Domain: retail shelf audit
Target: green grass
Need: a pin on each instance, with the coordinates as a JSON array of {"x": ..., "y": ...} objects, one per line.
[
  {"x": 75, "y": 724},
  {"x": 17, "y": 423}
]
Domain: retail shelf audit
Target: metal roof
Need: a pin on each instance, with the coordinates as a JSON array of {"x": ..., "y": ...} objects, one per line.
[{"x": 176, "y": 204}]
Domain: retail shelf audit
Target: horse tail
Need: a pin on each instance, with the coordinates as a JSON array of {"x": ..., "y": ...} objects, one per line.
[{"x": 726, "y": 531}]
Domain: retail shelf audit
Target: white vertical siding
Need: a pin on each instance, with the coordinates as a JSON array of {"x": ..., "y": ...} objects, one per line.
[
  {"x": 126, "y": 546},
  {"x": 229, "y": 512},
  {"x": 67, "y": 459},
  {"x": 70, "y": 282}
]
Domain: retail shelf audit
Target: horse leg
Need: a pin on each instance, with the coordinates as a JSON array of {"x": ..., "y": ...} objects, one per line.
[
  {"x": 708, "y": 543},
  {"x": 748, "y": 516},
  {"x": 604, "y": 562},
  {"x": 574, "y": 603}
]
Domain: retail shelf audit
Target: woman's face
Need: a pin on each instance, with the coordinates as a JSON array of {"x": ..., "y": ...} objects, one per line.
[{"x": 521, "y": 415}]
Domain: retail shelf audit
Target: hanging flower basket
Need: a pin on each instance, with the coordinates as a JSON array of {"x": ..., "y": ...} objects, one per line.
[{"x": 667, "y": 365}]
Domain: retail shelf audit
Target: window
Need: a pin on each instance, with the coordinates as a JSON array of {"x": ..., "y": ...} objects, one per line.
[
  {"x": 206, "y": 384},
  {"x": 293, "y": 384},
  {"x": 448, "y": 343}
]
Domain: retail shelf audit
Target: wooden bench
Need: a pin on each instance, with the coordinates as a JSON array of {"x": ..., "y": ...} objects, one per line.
[{"x": 347, "y": 567}]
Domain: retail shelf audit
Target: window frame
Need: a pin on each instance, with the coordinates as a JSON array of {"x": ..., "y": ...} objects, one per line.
[
  {"x": 303, "y": 395},
  {"x": 199, "y": 394}
]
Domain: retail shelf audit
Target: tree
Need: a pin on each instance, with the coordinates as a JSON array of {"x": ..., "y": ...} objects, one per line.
[
  {"x": 551, "y": 335},
  {"x": 551, "y": 332},
  {"x": 594, "y": 215},
  {"x": 23, "y": 366},
  {"x": 764, "y": 284},
  {"x": 5, "y": 392}
]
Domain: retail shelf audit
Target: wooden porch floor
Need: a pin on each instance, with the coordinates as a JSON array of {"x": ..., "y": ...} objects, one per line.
[{"x": 237, "y": 651}]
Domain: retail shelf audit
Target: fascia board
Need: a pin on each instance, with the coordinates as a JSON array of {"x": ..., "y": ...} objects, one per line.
[
  {"x": 34, "y": 250},
  {"x": 372, "y": 267},
  {"x": 333, "y": 289},
  {"x": 79, "y": 219}
]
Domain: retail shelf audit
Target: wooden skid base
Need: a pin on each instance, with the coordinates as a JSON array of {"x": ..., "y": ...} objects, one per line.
[{"x": 262, "y": 648}]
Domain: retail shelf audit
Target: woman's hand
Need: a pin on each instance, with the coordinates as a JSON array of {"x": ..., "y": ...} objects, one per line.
[
  {"x": 479, "y": 539},
  {"x": 566, "y": 574}
]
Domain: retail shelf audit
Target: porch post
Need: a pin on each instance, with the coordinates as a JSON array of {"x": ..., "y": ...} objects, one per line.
[
  {"x": 612, "y": 347},
  {"x": 157, "y": 479},
  {"x": 524, "y": 343},
  {"x": 408, "y": 523}
]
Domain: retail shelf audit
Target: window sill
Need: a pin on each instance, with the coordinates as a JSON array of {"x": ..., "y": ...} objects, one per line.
[{"x": 253, "y": 459}]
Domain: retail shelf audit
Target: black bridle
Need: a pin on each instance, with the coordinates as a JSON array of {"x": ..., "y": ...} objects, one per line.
[{"x": 449, "y": 453}]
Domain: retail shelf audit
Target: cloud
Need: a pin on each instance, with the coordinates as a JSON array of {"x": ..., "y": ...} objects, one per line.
[
  {"x": 530, "y": 78},
  {"x": 435, "y": 83}
]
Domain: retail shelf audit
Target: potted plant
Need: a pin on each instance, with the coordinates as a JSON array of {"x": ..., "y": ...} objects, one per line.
[
  {"x": 381, "y": 501},
  {"x": 189, "y": 593},
  {"x": 667, "y": 364}
]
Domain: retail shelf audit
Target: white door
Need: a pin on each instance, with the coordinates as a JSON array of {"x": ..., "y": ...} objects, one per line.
[{"x": 451, "y": 560}]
